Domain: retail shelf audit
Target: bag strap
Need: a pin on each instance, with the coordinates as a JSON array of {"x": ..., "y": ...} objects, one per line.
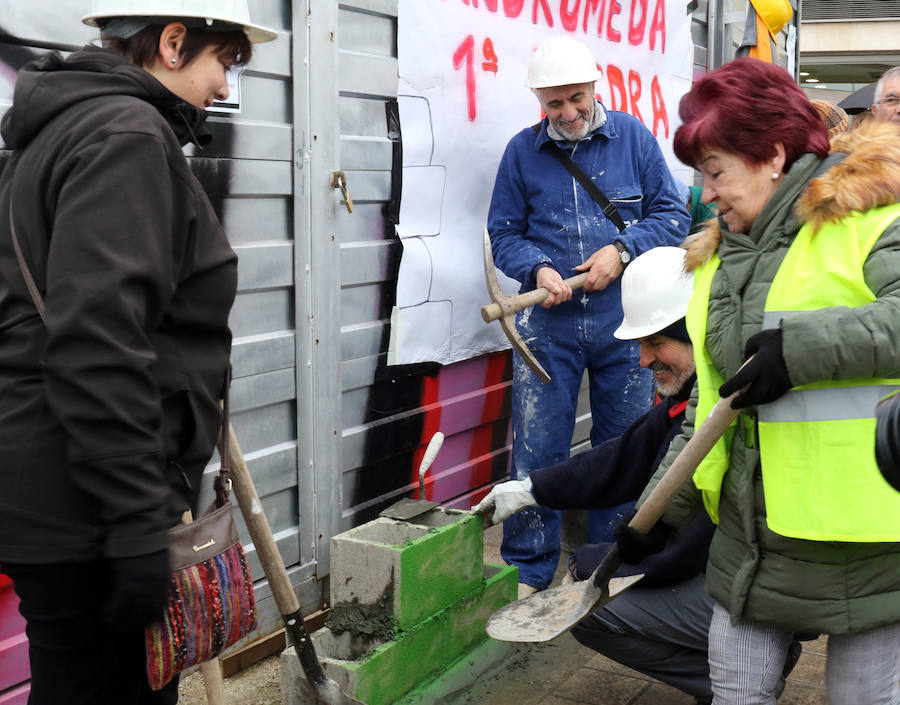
[
  {"x": 609, "y": 209},
  {"x": 26, "y": 272},
  {"x": 222, "y": 483}
]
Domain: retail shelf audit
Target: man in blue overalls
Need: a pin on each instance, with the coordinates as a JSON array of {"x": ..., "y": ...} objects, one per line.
[{"x": 545, "y": 226}]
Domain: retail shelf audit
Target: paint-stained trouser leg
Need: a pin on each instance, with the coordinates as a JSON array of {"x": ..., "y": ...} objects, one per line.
[{"x": 543, "y": 416}]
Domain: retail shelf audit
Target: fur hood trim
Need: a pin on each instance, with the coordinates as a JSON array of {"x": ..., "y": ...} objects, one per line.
[
  {"x": 702, "y": 245},
  {"x": 868, "y": 178}
]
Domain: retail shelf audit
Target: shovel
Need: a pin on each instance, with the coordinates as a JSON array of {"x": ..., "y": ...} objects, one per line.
[
  {"x": 406, "y": 508},
  {"x": 547, "y": 614},
  {"x": 326, "y": 690}
]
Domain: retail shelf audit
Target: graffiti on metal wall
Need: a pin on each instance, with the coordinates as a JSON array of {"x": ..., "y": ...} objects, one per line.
[{"x": 468, "y": 402}]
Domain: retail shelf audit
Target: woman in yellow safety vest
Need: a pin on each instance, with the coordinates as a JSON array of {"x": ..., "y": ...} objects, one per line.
[{"x": 802, "y": 271}]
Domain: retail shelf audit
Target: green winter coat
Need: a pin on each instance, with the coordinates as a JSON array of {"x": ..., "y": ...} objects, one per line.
[{"x": 760, "y": 576}]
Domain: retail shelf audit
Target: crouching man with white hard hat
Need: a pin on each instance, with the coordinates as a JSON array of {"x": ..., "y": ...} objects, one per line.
[
  {"x": 114, "y": 359},
  {"x": 659, "y": 626}
]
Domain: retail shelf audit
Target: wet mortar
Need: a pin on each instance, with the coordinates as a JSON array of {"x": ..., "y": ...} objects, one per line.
[{"x": 369, "y": 621}]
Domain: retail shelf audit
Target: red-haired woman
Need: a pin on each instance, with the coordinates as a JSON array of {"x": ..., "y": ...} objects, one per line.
[
  {"x": 111, "y": 402},
  {"x": 801, "y": 271}
]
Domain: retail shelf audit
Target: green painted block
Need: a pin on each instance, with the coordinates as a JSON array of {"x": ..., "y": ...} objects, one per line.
[
  {"x": 439, "y": 569},
  {"x": 380, "y": 672},
  {"x": 408, "y": 600},
  {"x": 467, "y": 617},
  {"x": 461, "y": 673},
  {"x": 397, "y": 667},
  {"x": 389, "y": 575},
  {"x": 423, "y": 653}
]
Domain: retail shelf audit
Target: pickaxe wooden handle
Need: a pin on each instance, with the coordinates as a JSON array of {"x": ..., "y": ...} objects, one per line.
[
  {"x": 514, "y": 304},
  {"x": 506, "y": 312}
]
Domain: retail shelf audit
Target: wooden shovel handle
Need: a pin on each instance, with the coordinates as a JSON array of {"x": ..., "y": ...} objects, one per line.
[
  {"x": 514, "y": 304},
  {"x": 260, "y": 532},
  {"x": 272, "y": 562},
  {"x": 652, "y": 509}
]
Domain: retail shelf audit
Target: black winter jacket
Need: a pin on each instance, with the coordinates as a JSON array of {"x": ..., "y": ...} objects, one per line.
[
  {"x": 110, "y": 410},
  {"x": 616, "y": 472}
]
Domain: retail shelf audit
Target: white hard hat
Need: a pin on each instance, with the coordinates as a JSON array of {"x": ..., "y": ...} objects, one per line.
[
  {"x": 655, "y": 292},
  {"x": 561, "y": 61},
  {"x": 233, "y": 12}
]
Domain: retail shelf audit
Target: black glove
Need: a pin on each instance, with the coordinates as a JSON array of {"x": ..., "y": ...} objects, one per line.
[
  {"x": 138, "y": 589},
  {"x": 766, "y": 373},
  {"x": 635, "y": 546},
  {"x": 585, "y": 560},
  {"x": 887, "y": 439}
]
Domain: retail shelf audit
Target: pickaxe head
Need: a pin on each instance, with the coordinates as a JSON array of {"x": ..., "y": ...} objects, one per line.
[{"x": 500, "y": 309}]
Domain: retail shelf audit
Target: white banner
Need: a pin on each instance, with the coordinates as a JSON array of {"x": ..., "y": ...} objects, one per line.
[{"x": 462, "y": 96}]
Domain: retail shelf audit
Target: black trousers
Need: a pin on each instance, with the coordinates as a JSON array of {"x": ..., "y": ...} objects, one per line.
[{"x": 74, "y": 659}]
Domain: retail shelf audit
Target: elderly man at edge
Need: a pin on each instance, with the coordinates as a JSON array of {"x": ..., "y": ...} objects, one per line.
[
  {"x": 545, "y": 227},
  {"x": 887, "y": 96}
]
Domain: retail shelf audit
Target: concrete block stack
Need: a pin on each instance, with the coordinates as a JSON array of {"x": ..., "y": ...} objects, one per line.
[{"x": 409, "y": 601}]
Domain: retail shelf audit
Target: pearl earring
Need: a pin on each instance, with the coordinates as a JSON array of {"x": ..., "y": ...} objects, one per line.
[
  {"x": 174, "y": 60},
  {"x": 775, "y": 176}
]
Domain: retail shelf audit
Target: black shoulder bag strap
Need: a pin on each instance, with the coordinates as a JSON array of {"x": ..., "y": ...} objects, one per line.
[
  {"x": 30, "y": 284},
  {"x": 609, "y": 209}
]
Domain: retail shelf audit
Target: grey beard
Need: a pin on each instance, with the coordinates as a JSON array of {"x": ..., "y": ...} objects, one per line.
[
  {"x": 670, "y": 390},
  {"x": 597, "y": 121}
]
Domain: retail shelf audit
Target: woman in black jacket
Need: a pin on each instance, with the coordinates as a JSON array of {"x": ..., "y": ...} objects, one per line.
[{"x": 111, "y": 404}]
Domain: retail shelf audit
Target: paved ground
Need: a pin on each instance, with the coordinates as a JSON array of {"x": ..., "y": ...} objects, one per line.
[{"x": 560, "y": 672}]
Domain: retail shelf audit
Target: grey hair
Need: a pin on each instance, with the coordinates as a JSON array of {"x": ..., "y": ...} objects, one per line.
[{"x": 879, "y": 87}]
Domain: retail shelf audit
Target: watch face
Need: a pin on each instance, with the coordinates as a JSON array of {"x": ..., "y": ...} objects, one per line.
[{"x": 625, "y": 256}]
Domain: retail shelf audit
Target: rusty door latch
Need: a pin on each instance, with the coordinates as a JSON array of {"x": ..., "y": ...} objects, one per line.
[{"x": 339, "y": 180}]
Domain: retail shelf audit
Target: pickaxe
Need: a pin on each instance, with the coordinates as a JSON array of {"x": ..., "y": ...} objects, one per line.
[{"x": 506, "y": 307}]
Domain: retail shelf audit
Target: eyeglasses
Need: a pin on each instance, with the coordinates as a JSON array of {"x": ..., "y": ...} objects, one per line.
[{"x": 891, "y": 101}]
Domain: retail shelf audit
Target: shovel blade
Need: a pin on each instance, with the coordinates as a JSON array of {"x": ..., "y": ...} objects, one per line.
[{"x": 547, "y": 614}]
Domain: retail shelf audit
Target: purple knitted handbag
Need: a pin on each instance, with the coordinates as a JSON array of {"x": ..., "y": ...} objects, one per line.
[{"x": 211, "y": 603}]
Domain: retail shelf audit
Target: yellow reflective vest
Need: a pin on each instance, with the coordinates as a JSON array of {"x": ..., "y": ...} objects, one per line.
[{"x": 816, "y": 443}]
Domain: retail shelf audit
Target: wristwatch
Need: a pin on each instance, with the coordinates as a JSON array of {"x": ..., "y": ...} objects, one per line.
[{"x": 624, "y": 254}]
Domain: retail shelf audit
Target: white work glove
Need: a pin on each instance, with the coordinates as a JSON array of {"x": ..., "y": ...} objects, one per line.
[{"x": 506, "y": 499}]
